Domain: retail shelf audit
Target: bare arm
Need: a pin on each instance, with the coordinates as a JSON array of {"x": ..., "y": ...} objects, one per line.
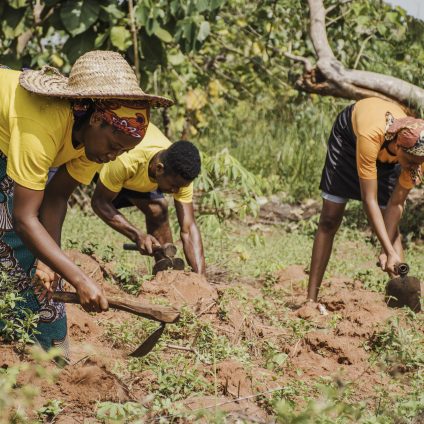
[
  {"x": 27, "y": 209},
  {"x": 394, "y": 210},
  {"x": 190, "y": 236},
  {"x": 375, "y": 217},
  {"x": 55, "y": 202},
  {"x": 102, "y": 204}
]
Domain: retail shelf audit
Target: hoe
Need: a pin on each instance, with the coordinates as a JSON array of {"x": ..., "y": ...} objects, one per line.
[
  {"x": 404, "y": 290},
  {"x": 163, "y": 314}
]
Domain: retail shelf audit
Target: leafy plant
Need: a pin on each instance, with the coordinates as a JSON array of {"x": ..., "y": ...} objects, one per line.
[
  {"x": 16, "y": 399},
  {"x": 17, "y": 323},
  {"x": 121, "y": 412},
  {"x": 50, "y": 410}
]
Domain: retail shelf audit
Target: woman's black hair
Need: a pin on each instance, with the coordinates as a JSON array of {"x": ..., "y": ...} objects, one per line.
[
  {"x": 82, "y": 110},
  {"x": 182, "y": 158}
]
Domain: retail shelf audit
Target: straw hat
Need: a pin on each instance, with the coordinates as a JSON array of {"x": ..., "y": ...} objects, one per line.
[{"x": 95, "y": 75}]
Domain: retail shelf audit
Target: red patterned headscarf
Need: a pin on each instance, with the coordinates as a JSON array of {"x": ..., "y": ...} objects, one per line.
[
  {"x": 129, "y": 117},
  {"x": 409, "y": 133}
]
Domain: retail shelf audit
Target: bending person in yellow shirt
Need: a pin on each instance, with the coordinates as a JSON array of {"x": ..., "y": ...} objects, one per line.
[
  {"x": 73, "y": 124},
  {"x": 139, "y": 178},
  {"x": 371, "y": 149}
]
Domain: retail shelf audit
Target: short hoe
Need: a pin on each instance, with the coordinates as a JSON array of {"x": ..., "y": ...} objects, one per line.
[
  {"x": 163, "y": 314},
  {"x": 404, "y": 290}
]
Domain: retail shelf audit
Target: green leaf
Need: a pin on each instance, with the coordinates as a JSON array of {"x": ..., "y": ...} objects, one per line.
[
  {"x": 163, "y": 34},
  {"x": 79, "y": 16},
  {"x": 17, "y": 4},
  {"x": 202, "y": 5},
  {"x": 100, "y": 40},
  {"x": 151, "y": 26},
  {"x": 215, "y": 4},
  {"x": 141, "y": 15},
  {"x": 77, "y": 46},
  {"x": 120, "y": 37},
  {"x": 176, "y": 59},
  {"x": 204, "y": 31}
]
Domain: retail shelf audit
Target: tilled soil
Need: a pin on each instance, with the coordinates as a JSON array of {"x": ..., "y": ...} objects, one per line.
[{"x": 334, "y": 345}]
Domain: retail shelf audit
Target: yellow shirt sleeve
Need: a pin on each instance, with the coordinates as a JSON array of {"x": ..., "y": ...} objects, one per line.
[
  {"x": 82, "y": 169},
  {"x": 31, "y": 153},
  {"x": 114, "y": 174},
  {"x": 366, "y": 157},
  {"x": 185, "y": 194}
]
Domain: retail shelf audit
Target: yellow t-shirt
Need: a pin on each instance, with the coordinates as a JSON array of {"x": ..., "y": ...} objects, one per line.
[
  {"x": 36, "y": 134},
  {"x": 130, "y": 170},
  {"x": 369, "y": 124}
]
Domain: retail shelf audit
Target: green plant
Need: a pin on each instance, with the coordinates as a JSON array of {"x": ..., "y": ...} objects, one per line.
[
  {"x": 398, "y": 345},
  {"x": 129, "y": 280},
  {"x": 89, "y": 248},
  {"x": 17, "y": 323},
  {"x": 120, "y": 412},
  {"x": 108, "y": 253},
  {"x": 16, "y": 398},
  {"x": 50, "y": 410}
]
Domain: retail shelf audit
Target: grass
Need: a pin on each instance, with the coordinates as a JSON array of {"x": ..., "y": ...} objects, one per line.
[
  {"x": 287, "y": 160},
  {"x": 245, "y": 255}
]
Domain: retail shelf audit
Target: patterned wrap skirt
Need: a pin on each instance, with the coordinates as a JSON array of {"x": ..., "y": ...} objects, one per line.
[
  {"x": 340, "y": 173},
  {"x": 18, "y": 261}
]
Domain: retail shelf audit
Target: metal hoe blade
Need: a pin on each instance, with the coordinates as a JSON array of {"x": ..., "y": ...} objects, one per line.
[{"x": 149, "y": 343}]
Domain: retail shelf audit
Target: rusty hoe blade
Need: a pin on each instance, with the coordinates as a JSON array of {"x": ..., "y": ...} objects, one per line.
[
  {"x": 404, "y": 290},
  {"x": 149, "y": 343}
]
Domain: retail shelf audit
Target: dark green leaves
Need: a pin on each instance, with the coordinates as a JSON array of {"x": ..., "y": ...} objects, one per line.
[
  {"x": 79, "y": 16},
  {"x": 77, "y": 46}
]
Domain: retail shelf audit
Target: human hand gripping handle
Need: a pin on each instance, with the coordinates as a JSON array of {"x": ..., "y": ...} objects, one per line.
[
  {"x": 389, "y": 263},
  {"x": 146, "y": 243},
  {"x": 45, "y": 281},
  {"x": 91, "y": 295}
]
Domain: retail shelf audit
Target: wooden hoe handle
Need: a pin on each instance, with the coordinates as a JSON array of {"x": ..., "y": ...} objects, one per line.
[{"x": 166, "y": 314}]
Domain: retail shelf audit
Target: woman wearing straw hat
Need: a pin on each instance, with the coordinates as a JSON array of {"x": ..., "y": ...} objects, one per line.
[
  {"x": 364, "y": 149},
  {"x": 75, "y": 124}
]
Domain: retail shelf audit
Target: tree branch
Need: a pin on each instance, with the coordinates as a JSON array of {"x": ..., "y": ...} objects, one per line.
[{"x": 330, "y": 77}]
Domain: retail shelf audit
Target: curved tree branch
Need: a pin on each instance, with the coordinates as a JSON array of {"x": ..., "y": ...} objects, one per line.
[{"x": 330, "y": 77}]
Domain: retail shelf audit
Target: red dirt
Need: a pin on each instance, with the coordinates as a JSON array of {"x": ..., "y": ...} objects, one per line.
[
  {"x": 181, "y": 288},
  {"x": 90, "y": 381},
  {"x": 233, "y": 379},
  {"x": 331, "y": 347}
]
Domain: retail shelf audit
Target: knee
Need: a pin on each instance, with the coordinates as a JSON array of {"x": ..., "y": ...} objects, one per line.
[
  {"x": 158, "y": 211},
  {"x": 329, "y": 224}
]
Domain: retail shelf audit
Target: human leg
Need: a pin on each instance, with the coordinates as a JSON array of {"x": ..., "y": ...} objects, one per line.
[
  {"x": 18, "y": 262},
  {"x": 329, "y": 223}
]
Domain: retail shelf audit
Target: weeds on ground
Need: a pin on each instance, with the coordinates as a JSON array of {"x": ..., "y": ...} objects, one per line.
[
  {"x": 16, "y": 323},
  {"x": 399, "y": 344},
  {"x": 16, "y": 400},
  {"x": 50, "y": 410},
  {"x": 120, "y": 412}
]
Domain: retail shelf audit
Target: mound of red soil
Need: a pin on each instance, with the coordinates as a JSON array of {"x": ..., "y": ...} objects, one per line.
[
  {"x": 290, "y": 275},
  {"x": 90, "y": 266},
  {"x": 8, "y": 355},
  {"x": 233, "y": 379},
  {"x": 181, "y": 288},
  {"x": 89, "y": 382},
  {"x": 337, "y": 346}
]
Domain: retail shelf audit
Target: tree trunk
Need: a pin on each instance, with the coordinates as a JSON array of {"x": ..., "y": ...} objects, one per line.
[{"x": 330, "y": 78}]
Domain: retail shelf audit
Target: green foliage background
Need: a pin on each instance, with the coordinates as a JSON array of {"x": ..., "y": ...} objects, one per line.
[{"x": 223, "y": 62}]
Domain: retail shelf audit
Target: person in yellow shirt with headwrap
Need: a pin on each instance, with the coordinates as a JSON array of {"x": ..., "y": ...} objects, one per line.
[
  {"x": 373, "y": 148},
  {"x": 74, "y": 124},
  {"x": 139, "y": 178}
]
